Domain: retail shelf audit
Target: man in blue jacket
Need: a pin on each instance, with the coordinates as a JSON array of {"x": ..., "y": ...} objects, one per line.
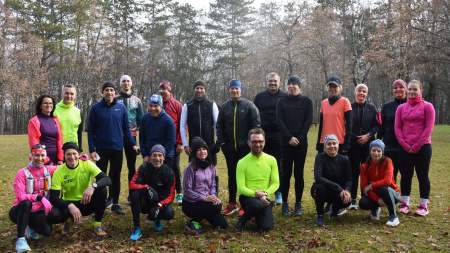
[
  {"x": 107, "y": 131},
  {"x": 157, "y": 128}
]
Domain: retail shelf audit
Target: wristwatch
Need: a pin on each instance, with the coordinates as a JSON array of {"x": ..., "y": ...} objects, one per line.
[{"x": 94, "y": 185}]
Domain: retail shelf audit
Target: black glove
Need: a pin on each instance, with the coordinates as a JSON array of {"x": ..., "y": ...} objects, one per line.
[
  {"x": 153, "y": 213},
  {"x": 153, "y": 195},
  {"x": 215, "y": 148}
]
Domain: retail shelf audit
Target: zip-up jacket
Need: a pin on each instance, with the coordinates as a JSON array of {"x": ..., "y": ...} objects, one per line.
[
  {"x": 161, "y": 180},
  {"x": 364, "y": 120},
  {"x": 135, "y": 110},
  {"x": 173, "y": 108},
  {"x": 108, "y": 126},
  {"x": 333, "y": 172},
  {"x": 266, "y": 103},
  {"x": 157, "y": 130},
  {"x": 69, "y": 117},
  {"x": 34, "y": 135},
  {"x": 379, "y": 175},
  {"x": 199, "y": 183},
  {"x": 236, "y": 119}
]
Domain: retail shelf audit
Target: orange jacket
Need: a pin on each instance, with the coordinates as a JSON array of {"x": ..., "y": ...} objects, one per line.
[{"x": 377, "y": 174}]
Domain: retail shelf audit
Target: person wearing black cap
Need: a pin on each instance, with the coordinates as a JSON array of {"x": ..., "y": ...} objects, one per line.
[
  {"x": 266, "y": 102},
  {"x": 108, "y": 132},
  {"x": 294, "y": 132},
  {"x": 335, "y": 117},
  {"x": 200, "y": 197},
  {"x": 198, "y": 119},
  {"x": 236, "y": 117},
  {"x": 152, "y": 192},
  {"x": 73, "y": 192}
]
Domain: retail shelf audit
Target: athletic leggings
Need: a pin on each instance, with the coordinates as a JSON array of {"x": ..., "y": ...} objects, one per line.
[
  {"x": 115, "y": 158},
  {"x": 389, "y": 196},
  {"x": 141, "y": 203},
  {"x": 421, "y": 163},
  {"x": 174, "y": 163},
  {"x": 357, "y": 155},
  {"x": 321, "y": 195},
  {"x": 253, "y": 207},
  {"x": 232, "y": 159},
  {"x": 96, "y": 206},
  {"x": 395, "y": 157},
  {"x": 38, "y": 221},
  {"x": 293, "y": 155},
  {"x": 273, "y": 148},
  {"x": 200, "y": 210},
  {"x": 131, "y": 156}
]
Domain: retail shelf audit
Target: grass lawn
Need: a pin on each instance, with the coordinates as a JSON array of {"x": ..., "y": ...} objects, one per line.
[{"x": 352, "y": 233}]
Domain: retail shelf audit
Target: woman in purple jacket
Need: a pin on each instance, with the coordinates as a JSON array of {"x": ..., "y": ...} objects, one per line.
[
  {"x": 200, "y": 199},
  {"x": 414, "y": 121}
]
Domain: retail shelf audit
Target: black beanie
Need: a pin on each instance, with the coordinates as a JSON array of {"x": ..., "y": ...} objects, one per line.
[
  {"x": 197, "y": 143},
  {"x": 294, "y": 79},
  {"x": 70, "y": 145},
  {"x": 199, "y": 83},
  {"x": 108, "y": 84}
]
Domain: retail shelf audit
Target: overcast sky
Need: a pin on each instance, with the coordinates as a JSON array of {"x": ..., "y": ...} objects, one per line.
[{"x": 204, "y": 4}]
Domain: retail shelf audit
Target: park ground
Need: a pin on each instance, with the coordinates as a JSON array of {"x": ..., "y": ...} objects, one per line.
[{"x": 354, "y": 232}]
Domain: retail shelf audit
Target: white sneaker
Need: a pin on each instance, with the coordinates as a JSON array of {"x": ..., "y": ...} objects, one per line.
[
  {"x": 353, "y": 206},
  {"x": 375, "y": 215},
  {"x": 393, "y": 222}
]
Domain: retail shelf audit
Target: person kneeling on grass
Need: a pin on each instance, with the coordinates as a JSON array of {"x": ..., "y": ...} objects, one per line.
[
  {"x": 74, "y": 194},
  {"x": 152, "y": 191},
  {"x": 32, "y": 211},
  {"x": 257, "y": 180},
  {"x": 200, "y": 199},
  {"x": 333, "y": 179},
  {"x": 377, "y": 184}
]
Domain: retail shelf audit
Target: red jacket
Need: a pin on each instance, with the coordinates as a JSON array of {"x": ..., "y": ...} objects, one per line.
[
  {"x": 34, "y": 135},
  {"x": 173, "y": 108},
  {"x": 381, "y": 174}
]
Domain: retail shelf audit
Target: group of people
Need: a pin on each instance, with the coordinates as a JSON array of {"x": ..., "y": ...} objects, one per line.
[{"x": 263, "y": 142}]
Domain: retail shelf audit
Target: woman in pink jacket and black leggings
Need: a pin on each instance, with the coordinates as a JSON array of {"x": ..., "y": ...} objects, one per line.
[{"x": 414, "y": 121}]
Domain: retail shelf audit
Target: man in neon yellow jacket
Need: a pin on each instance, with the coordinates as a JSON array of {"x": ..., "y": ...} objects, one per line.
[
  {"x": 257, "y": 180},
  {"x": 70, "y": 116}
]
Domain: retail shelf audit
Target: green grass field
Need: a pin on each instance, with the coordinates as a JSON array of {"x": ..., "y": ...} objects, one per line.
[{"x": 352, "y": 233}]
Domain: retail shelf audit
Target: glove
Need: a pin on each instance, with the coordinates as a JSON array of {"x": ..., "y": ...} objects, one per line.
[
  {"x": 153, "y": 195},
  {"x": 215, "y": 148},
  {"x": 153, "y": 213}
]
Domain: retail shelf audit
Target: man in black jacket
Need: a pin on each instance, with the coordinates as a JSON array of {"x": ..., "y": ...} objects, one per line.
[
  {"x": 266, "y": 102},
  {"x": 236, "y": 117},
  {"x": 364, "y": 128}
]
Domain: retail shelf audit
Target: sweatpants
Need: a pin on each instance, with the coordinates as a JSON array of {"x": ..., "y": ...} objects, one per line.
[
  {"x": 293, "y": 156},
  {"x": 394, "y": 154},
  {"x": 253, "y": 207},
  {"x": 389, "y": 196},
  {"x": 232, "y": 157},
  {"x": 321, "y": 195},
  {"x": 96, "y": 206},
  {"x": 421, "y": 163},
  {"x": 115, "y": 158},
  {"x": 141, "y": 203},
  {"x": 131, "y": 156},
  {"x": 202, "y": 210},
  {"x": 357, "y": 155},
  {"x": 38, "y": 221}
]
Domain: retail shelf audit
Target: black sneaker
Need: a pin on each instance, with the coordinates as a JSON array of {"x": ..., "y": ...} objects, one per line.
[
  {"x": 108, "y": 203},
  {"x": 298, "y": 211},
  {"x": 319, "y": 220},
  {"x": 117, "y": 209},
  {"x": 285, "y": 209}
]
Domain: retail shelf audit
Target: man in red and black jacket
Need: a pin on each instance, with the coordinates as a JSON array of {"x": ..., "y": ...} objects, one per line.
[{"x": 152, "y": 191}]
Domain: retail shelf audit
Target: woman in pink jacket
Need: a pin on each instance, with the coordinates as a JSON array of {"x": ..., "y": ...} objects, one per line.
[
  {"x": 414, "y": 122},
  {"x": 44, "y": 128},
  {"x": 32, "y": 211}
]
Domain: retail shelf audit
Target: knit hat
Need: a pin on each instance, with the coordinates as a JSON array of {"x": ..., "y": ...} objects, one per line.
[
  {"x": 334, "y": 80},
  {"x": 70, "y": 145},
  {"x": 294, "y": 79},
  {"x": 158, "y": 148},
  {"x": 108, "y": 84},
  {"x": 399, "y": 82},
  {"x": 199, "y": 83},
  {"x": 330, "y": 137},
  {"x": 155, "y": 99},
  {"x": 165, "y": 85},
  {"x": 235, "y": 84},
  {"x": 125, "y": 77},
  {"x": 198, "y": 143},
  {"x": 377, "y": 143}
]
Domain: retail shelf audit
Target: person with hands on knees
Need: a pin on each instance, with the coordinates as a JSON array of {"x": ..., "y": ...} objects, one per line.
[
  {"x": 32, "y": 211},
  {"x": 152, "y": 192},
  {"x": 200, "y": 199},
  {"x": 257, "y": 180},
  {"x": 414, "y": 122},
  {"x": 79, "y": 188},
  {"x": 378, "y": 185},
  {"x": 332, "y": 180}
]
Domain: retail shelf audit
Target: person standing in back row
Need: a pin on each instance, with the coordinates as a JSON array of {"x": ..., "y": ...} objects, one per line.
[
  {"x": 294, "y": 140},
  {"x": 266, "y": 102},
  {"x": 236, "y": 117},
  {"x": 173, "y": 108}
]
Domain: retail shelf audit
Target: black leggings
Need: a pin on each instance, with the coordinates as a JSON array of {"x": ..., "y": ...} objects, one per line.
[
  {"x": 141, "y": 203},
  {"x": 200, "y": 210},
  {"x": 421, "y": 163},
  {"x": 232, "y": 159},
  {"x": 273, "y": 148},
  {"x": 321, "y": 195},
  {"x": 174, "y": 163},
  {"x": 96, "y": 206},
  {"x": 253, "y": 207},
  {"x": 357, "y": 155},
  {"x": 389, "y": 196},
  {"x": 293, "y": 155},
  {"x": 395, "y": 157},
  {"x": 115, "y": 158},
  {"x": 131, "y": 156},
  {"x": 38, "y": 221}
]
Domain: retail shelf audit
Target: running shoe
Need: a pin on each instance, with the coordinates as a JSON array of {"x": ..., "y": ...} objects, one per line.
[
  {"x": 22, "y": 245},
  {"x": 241, "y": 212},
  {"x": 108, "y": 203},
  {"x": 404, "y": 208},
  {"x": 99, "y": 231},
  {"x": 230, "y": 209},
  {"x": 285, "y": 209},
  {"x": 375, "y": 214},
  {"x": 278, "y": 198},
  {"x": 194, "y": 228},
  {"x": 31, "y": 234},
  {"x": 353, "y": 205},
  {"x": 117, "y": 209},
  {"x": 393, "y": 221},
  {"x": 298, "y": 211},
  {"x": 136, "y": 234},
  {"x": 179, "y": 199},
  {"x": 319, "y": 220},
  {"x": 422, "y": 210},
  {"x": 158, "y": 226}
]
